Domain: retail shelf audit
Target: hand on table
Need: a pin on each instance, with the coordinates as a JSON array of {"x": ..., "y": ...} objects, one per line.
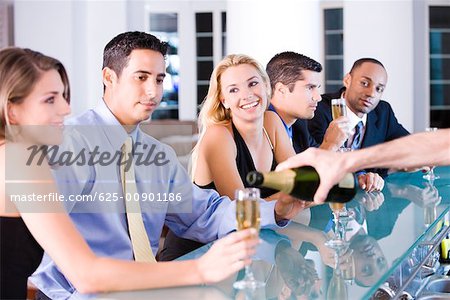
[{"x": 371, "y": 182}]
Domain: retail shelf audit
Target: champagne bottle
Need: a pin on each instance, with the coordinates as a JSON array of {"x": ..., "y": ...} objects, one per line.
[{"x": 302, "y": 183}]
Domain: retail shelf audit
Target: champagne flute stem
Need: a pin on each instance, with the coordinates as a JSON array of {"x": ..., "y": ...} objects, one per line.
[{"x": 249, "y": 274}]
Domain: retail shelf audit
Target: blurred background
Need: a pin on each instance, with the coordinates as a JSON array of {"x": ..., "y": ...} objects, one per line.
[{"x": 410, "y": 37}]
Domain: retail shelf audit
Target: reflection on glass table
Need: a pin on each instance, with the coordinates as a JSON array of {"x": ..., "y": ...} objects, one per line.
[
  {"x": 430, "y": 176},
  {"x": 383, "y": 231}
]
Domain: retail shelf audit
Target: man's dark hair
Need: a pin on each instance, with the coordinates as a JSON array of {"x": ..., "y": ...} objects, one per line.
[
  {"x": 117, "y": 51},
  {"x": 360, "y": 61},
  {"x": 286, "y": 67}
]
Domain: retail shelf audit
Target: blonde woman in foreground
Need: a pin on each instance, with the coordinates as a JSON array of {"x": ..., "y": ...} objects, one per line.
[{"x": 237, "y": 135}]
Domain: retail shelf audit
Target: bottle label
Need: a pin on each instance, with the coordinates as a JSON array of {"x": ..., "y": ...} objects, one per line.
[{"x": 348, "y": 182}]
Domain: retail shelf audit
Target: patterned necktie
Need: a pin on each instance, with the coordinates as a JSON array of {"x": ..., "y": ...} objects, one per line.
[
  {"x": 139, "y": 238},
  {"x": 357, "y": 137}
]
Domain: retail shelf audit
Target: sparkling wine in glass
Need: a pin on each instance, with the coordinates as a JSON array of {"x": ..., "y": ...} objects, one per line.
[
  {"x": 430, "y": 176},
  {"x": 248, "y": 216},
  {"x": 339, "y": 109}
]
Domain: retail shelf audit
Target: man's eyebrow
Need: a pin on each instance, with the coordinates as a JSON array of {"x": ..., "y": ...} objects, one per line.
[{"x": 150, "y": 73}]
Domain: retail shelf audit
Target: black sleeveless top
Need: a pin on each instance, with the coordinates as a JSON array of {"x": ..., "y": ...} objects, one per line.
[
  {"x": 245, "y": 164},
  {"x": 175, "y": 246},
  {"x": 20, "y": 255}
]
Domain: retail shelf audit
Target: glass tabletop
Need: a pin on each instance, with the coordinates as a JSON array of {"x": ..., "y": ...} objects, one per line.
[{"x": 381, "y": 230}]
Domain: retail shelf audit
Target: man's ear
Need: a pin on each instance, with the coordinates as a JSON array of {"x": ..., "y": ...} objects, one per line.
[
  {"x": 347, "y": 80},
  {"x": 281, "y": 88},
  {"x": 109, "y": 76}
]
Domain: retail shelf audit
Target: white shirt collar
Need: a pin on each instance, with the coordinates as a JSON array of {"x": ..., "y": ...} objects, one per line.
[{"x": 354, "y": 119}]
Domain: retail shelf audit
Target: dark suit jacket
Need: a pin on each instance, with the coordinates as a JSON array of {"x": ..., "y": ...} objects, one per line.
[
  {"x": 301, "y": 138},
  {"x": 381, "y": 126}
]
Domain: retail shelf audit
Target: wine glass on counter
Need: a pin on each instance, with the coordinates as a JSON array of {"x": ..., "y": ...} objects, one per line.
[
  {"x": 248, "y": 216},
  {"x": 430, "y": 176}
]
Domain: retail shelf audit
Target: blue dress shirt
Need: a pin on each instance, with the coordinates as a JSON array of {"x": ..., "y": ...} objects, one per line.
[{"x": 199, "y": 214}]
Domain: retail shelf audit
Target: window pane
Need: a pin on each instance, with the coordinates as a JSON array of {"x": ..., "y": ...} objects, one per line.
[
  {"x": 440, "y": 94},
  {"x": 440, "y": 118},
  {"x": 440, "y": 69},
  {"x": 203, "y": 22},
  {"x": 440, "y": 42},
  {"x": 334, "y": 44},
  {"x": 332, "y": 88},
  {"x": 204, "y": 70},
  {"x": 202, "y": 91},
  {"x": 224, "y": 22},
  {"x": 160, "y": 114},
  {"x": 334, "y": 69},
  {"x": 204, "y": 46},
  {"x": 164, "y": 22},
  {"x": 440, "y": 17},
  {"x": 334, "y": 19},
  {"x": 224, "y": 34},
  {"x": 165, "y": 27}
]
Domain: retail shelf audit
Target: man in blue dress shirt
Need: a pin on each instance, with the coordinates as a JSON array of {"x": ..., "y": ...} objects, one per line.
[{"x": 133, "y": 74}]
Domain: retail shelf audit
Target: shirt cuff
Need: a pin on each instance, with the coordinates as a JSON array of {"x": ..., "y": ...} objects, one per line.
[
  {"x": 362, "y": 172},
  {"x": 267, "y": 211}
]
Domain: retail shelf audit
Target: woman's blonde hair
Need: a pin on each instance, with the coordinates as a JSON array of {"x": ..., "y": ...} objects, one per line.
[
  {"x": 212, "y": 111},
  {"x": 20, "y": 70}
]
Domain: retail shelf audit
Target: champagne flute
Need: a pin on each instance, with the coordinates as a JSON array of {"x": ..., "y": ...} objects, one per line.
[
  {"x": 430, "y": 176},
  {"x": 339, "y": 109},
  {"x": 248, "y": 216}
]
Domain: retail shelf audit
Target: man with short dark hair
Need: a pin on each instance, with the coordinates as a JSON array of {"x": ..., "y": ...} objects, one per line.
[
  {"x": 373, "y": 120},
  {"x": 295, "y": 81}
]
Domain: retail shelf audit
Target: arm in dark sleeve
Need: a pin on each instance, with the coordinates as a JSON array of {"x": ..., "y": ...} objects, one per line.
[
  {"x": 395, "y": 129},
  {"x": 318, "y": 125}
]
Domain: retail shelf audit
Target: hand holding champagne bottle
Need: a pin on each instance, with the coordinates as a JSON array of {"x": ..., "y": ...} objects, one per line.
[{"x": 302, "y": 183}]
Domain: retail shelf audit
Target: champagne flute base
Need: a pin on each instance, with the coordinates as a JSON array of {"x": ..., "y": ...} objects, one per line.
[
  {"x": 337, "y": 244},
  {"x": 430, "y": 176},
  {"x": 248, "y": 284}
]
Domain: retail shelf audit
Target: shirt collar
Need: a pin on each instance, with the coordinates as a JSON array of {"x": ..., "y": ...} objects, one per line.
[
  {"x": 353, "y": 118},
  {"x": 113, "y": 130},
  {"x": 288, "y": 129}
]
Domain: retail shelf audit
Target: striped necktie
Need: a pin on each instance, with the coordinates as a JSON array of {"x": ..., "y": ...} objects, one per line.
[
  {"x": 139, "y": 238},
  {"x": 357, "y": 137}
]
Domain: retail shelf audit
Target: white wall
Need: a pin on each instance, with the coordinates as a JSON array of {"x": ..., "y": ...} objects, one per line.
[
  {"x": 384, "y": 30},
  {"x": 262, "y": 29},
  {"x": 75, "y": 32}
]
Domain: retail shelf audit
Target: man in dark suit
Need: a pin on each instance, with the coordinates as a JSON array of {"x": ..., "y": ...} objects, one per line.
[
  {"x": 295, "y": 82},
  {"x": 372, "y": 120}
]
